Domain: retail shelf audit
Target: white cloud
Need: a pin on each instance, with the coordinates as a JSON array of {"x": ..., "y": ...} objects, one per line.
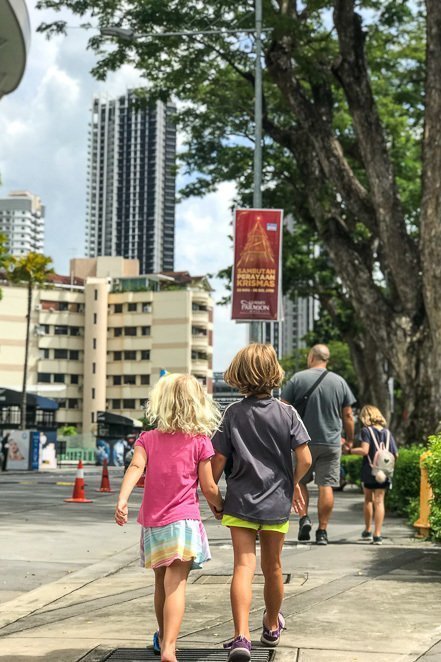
[{"x": 43, "y": 149}]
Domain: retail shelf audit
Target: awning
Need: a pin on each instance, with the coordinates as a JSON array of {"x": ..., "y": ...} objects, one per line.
[
  {"x": 10, "y": 398},
  {"x": 108, "y": 418},
  {"x": 14, "y": 40}
]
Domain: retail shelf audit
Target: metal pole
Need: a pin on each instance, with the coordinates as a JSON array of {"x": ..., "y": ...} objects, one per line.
[
  {"x": 257, "y": 329},
  {"x": 257, "y": 192}
]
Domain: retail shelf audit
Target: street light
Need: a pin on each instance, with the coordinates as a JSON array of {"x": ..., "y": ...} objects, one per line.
[{"x": 129, "y": 35}]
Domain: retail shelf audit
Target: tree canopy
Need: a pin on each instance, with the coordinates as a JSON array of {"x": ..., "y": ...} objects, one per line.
[{"x": 352, "y": 149}]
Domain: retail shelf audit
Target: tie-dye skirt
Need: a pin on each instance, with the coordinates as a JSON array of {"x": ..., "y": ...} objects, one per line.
[{"x": 184, "y": 540}]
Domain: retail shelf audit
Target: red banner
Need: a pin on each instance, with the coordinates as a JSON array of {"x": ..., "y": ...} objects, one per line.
[{"x": 256, "y": 270}]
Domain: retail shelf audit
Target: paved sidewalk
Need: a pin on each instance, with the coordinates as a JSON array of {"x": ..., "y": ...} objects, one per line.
[{"x": 349, "y": 601}]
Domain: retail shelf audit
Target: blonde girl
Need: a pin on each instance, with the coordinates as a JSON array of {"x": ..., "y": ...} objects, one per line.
[
  {"x": 374, "y": 423},
  {"x": 177, "y": 454},
  {"x": 259, "y": 434}
]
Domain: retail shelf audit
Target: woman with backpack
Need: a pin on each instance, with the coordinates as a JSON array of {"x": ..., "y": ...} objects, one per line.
[{"x": 379, "y": 452}]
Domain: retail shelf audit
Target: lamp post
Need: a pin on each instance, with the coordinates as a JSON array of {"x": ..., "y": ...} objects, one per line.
[{"x": 130, "y": 35}]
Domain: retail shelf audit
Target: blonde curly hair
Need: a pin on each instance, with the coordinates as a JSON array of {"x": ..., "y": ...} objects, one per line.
[
  {"x": 371, "y": 415},
  {"x": 178, "y": 403}
]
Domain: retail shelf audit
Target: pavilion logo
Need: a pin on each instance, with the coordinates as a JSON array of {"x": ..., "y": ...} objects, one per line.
[{"x": 254, "y": 306}]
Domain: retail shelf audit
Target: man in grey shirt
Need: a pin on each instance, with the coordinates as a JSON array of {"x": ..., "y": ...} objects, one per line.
[{"x": 326, "y": 410}]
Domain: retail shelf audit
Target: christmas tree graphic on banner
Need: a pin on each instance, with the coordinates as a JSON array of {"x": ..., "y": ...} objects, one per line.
[{"x": 257, "y": 250}]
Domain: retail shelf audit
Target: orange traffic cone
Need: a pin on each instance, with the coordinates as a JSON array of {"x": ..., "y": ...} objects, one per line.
[
  {"x": 140, "y": 482},
  {"x": 78, "y": 495},
  {"x": 105, "y": 483}
]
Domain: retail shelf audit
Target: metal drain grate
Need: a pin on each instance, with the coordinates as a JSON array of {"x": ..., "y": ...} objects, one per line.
[{"x": 186, "y": 655}]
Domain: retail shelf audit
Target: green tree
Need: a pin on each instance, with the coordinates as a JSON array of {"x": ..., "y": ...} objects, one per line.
[
  {"x": 351, "y": 109},
  {"x": 34, "y": 270},
  {"x": 5, "y": 259}
]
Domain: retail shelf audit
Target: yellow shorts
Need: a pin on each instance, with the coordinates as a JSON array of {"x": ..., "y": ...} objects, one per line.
[{"x": 229, "y": 520}]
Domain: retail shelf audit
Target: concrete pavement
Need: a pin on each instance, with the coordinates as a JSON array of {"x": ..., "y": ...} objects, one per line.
[{"x": 71, "y": 588}]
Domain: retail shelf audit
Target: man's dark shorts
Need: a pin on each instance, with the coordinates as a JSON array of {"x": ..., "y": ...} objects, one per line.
[{"x": 325, "y": 467}]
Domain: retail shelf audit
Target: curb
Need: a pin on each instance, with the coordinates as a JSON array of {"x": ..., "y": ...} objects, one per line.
[{"x": 43, "y": 596}]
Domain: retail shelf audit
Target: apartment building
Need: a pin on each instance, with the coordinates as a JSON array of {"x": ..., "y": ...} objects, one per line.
[
  {"x": 131, "y": 181},
  {"x": 22, "y": 222},
  {"x": 101, "y": 336}
]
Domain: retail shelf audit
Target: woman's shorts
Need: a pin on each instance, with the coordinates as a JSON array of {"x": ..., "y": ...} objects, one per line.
[
  {"x": 184, "y": 540},
  {"x": 229, "y": 520},
  {"x": 377, "y": 486}
]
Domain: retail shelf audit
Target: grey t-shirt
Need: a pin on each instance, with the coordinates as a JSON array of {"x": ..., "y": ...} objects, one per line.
[
  {"x": 322, "y": 417},
  {"x": 259, "y": 435}
]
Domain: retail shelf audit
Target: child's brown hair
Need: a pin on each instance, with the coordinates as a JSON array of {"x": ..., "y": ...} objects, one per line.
[{"x": 255, "y": 370}]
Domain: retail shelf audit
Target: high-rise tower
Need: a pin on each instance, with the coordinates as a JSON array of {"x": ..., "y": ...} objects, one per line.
[{"x": 131, "y": 182}]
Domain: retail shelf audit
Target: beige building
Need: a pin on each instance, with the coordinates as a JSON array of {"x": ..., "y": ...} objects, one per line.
[{"x": 100, "y": 337}]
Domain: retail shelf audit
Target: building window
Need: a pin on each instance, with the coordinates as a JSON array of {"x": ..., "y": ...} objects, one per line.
[
  {"x": 93, "y": 368},
  {"x": 130, "y": 355},
  {"x": 118, "y": 308},
  {"x": 129, "y": 403},
  {"x": 93, "y": 394},
  {"x": 117, "y": 332},
  {"x": 60, "y": 353},
  {"x": 73, "y": 403},
  {"x": 146, "y": 307},
  {"x": 117, "y": 380},
  {"x": 75, "y": 331},
  {"x": 93, "y": 417},
  {"x": 116, "y": 404},
  {"x": 117, "y": 356},
  {"x": 96, "y": 295},
  {"x": 130, "y": 379},
  {"x": 94, "y": 318},
  {"x": 145, "y": 355},
  {"x": 44, "y": 353},
  {"x": 145, "y": 379},
  {"x": 59, "y": 378},
  {"x": 61, "y": 330},
  {"x": 44, "y": 377},
  {"x": 130, "y": 330},
  {"x": 145, "y": 330},
  {"x": 74, "y": 355},
  {"x": 132, "y": 307},
  {"x": 94, "y": 343},
  {"x": 74, "y": 379}
]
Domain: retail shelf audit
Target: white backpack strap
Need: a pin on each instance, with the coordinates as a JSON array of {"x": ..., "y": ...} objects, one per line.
[
  {"x": 387, "y": 440},
  {"x": 374, "y": 438}
]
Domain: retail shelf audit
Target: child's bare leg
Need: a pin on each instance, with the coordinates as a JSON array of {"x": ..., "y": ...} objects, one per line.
[
  {"x": 271, "y": 543},
  {"x": 368, "y": 509},
  {"x": 378, "y": 511},
  {"x": 241, "y": 593},
  {"x": 159, "y": 598},
  {"x": 175, "y": 581}
]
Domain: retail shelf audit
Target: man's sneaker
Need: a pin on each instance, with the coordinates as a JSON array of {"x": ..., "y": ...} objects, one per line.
[
  {"x": 366, "y": 535},
  {"x": 304, "y": 528},
  {"x": 240, "y": 649},
  {"x": 378, "y": 540},
  {"x": 321, "y": 537},
  {"x": 272, "y": 637}
]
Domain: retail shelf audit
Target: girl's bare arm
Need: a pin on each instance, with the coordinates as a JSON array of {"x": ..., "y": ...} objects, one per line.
[
  {"x": 131, "y": 477},
  {"x": 208, "y": 485}
]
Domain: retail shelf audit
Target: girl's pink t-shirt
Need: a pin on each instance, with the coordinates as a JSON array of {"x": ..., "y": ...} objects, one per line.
[{"x": 171, "y": 481}]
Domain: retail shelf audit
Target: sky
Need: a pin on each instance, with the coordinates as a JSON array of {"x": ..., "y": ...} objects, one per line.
[{"x": 43, "y": 149}]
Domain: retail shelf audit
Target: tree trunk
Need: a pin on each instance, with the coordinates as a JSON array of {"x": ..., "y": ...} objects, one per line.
[{"x": 23, "y": 417}]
